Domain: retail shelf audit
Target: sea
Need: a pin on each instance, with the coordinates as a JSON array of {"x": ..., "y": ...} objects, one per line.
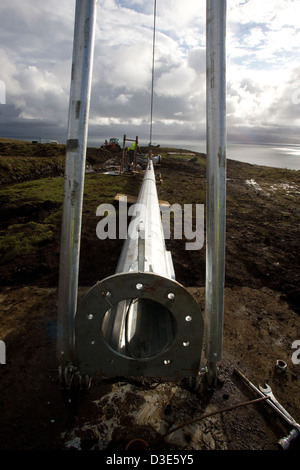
[{"x": 272, "y": 155}]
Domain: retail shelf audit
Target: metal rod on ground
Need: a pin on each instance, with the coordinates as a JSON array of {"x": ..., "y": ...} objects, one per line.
[
  {"x": 80, "y": 89},
  {"x": 277, "y": 407},
  {"x": 216, "y": 181}
]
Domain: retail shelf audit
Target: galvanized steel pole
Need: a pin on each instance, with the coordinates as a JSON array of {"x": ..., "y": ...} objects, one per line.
[
  {"x": 140, "y": 321},
  {"x": 216, "y": 181},
  {"x": 79, "y": 105},
  {"x": 149, "y": 231},
  {"x": 152, "y": 85},
  {"x": 144, "y": 251}
]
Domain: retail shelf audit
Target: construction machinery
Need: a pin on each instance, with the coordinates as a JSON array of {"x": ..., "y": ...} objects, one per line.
[{"x": 112, "y": 145}]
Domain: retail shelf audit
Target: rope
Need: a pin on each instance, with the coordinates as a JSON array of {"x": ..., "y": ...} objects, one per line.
[
  {"x": 153, "y": 55},
  {"x": 187, "y": 423}
]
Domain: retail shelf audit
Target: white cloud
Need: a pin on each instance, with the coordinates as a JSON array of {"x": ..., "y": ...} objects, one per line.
[
  {"x": 123, "y": 98},
  {"x": 8, "y": 75},
  {"x": 276, "y": 13},
  {"x": 128, "y": 67},
  {"x": 178, "y": 81},
  {"x": 262, "y": 48}
]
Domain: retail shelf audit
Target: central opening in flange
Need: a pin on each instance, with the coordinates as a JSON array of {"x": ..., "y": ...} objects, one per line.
[{"x": 139, "y": 328}]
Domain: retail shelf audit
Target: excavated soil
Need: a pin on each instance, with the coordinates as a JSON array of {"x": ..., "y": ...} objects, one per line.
[{"x": 261, "y": 323}]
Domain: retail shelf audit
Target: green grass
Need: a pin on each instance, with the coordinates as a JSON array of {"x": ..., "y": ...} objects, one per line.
[
  {"x": 27, "y": 238},
  {"x": 98, "y": 189},
  {"x": 20, "y": 159},
  {"x": 23, "y": 239},
  {"x": 33, "y": 208},
  {"x": 11, "y": 148},
  {"x": 37, "y": 191},
  {"x": 22, "y": 167}
]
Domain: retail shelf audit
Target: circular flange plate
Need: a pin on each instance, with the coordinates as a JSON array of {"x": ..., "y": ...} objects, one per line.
[{"x": 180, "y": 359}]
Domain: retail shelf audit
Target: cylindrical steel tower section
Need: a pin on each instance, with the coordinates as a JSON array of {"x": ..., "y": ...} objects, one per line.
[
  {"x": 144, "y": 249},
  {"x": 129, "y": 324},
  {"x": 140, "y": 321}
]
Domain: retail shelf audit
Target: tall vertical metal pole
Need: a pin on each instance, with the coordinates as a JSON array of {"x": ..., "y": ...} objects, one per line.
[
  {"x": 153, "y": 60},
  {"x": 79, "y": 106},
  {"x": 216, "y": 181}
]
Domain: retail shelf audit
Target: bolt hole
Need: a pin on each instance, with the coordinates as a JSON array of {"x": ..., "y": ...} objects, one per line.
[
  {"x": 139, "y": 286},
  {"x": 186, "y": 343},
  {"x": 167, "y": 362},
  {"x": 171, "y": 296},
  {"x": 90, "y": 316},
  {"x": 188, "y": 318}
]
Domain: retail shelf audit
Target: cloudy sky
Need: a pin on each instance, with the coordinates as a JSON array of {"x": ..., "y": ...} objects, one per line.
[{"x": 263, "y": 69}]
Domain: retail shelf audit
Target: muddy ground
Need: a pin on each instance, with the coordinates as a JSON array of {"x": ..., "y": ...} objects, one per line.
[{"x": 261, "y": 322}]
